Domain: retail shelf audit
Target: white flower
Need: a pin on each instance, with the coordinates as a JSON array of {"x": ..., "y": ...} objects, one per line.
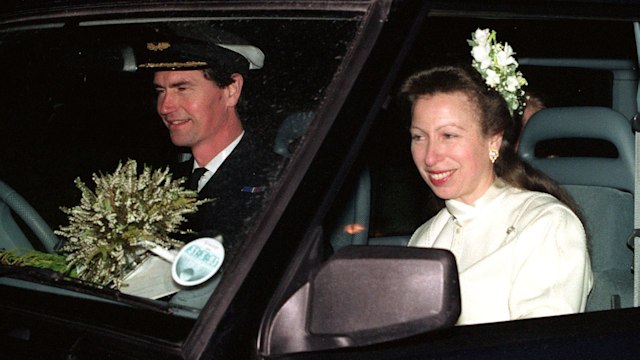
[
  {"x": 481, "y": 37},
  {"x": 512, "y": 83},
  {"x": 482, "y": 54},
  {"x": 522, "y": 81},
  {"x": 492, "y": 78},
  {"x": 497, "y": 65},
  {"x": 505, "y": 58}
]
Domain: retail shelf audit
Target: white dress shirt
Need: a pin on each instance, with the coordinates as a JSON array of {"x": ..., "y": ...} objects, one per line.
[{"x": 214, "y": 164}]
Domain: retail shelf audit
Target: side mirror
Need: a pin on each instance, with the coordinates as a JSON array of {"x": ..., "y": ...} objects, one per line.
[{"x": 364, "y": 295}]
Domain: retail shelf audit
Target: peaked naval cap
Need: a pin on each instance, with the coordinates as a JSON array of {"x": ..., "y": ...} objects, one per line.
[{"x": 193, "y": 54}]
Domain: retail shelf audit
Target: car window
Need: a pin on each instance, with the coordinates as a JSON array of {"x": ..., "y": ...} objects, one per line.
[
  {"x": 548, "y": 59},
  {"x": 383, "y": 199},
  {"x": 76, "y": 106}
]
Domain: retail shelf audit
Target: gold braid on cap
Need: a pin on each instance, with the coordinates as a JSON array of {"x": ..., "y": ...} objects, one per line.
[{"x": 187, "y": 64}]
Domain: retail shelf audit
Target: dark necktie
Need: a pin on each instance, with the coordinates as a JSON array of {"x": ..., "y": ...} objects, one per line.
[{"x": 192, "y": 182}]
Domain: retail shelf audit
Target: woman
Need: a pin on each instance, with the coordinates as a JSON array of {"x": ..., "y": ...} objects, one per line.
[{"x": 521, "y": 249}]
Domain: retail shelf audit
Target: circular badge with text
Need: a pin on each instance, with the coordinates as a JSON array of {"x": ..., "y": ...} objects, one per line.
[{"x": 197, "y": 261}]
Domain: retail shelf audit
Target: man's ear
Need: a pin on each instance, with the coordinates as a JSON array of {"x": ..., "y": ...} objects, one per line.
[{"x": 234, "y": 89}]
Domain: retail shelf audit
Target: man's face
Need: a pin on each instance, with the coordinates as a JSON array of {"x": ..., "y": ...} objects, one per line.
[{"x": 194, "y": 108}]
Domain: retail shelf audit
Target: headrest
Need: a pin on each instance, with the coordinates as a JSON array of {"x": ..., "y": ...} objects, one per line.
[
  {"x": 582, "y": 122},
  {"x": 291, "y": 129}
]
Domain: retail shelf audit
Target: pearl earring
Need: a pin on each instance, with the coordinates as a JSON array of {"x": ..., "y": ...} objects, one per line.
[{"x": 493, "y": 155}]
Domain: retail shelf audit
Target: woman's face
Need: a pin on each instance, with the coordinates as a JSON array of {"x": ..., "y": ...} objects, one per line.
[{"x": 449, "y": 149}]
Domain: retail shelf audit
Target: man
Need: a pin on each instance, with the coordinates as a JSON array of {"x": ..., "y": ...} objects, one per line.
[{"x": 198, "y": 87}]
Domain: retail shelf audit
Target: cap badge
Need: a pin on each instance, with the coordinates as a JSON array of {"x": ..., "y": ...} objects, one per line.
[{"x": 158, "y": 46}]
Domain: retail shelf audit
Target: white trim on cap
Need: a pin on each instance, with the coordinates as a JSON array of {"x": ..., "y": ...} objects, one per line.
[{"x": 254, "y": 56}]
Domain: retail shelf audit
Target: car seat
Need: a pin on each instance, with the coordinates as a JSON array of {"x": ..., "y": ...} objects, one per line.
[
  {"x": 601, "y": 185},
  {"x": 352, "y": 224},
  {"x": 292, "y": 128},
  {"x": 11, "y": 234}
]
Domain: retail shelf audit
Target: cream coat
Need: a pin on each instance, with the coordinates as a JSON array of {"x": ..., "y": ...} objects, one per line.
[{"x": 520, "y": 254}]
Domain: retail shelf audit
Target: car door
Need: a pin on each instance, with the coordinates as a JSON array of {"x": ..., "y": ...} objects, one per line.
[{"x": 382, "y": 170}]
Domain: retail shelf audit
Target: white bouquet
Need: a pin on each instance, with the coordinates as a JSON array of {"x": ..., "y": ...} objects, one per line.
[{"x": 112, "y": 229}]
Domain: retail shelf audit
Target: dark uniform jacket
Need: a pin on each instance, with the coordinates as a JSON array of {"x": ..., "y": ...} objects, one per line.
[{"x": 237, "y": 189}]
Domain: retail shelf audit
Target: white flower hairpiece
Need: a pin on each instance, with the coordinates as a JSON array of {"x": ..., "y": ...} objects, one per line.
[{"x": 498, "y": 67}]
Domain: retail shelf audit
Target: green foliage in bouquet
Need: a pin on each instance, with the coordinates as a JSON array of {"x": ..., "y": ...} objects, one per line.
[
  {"x": 34, "y": 258},
  {"x": 113, "y": 227}
]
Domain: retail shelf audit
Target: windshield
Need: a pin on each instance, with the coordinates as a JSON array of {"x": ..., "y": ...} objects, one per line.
[{"x": 79, "y": 109}]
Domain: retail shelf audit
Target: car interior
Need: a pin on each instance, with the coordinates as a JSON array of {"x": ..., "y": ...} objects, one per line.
[
  {"x": 383, "y": 199},
  {"x": 65, "y": 121},
  {"x": 325, "y": 270},
  {"x": 583, "y": 140}
]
